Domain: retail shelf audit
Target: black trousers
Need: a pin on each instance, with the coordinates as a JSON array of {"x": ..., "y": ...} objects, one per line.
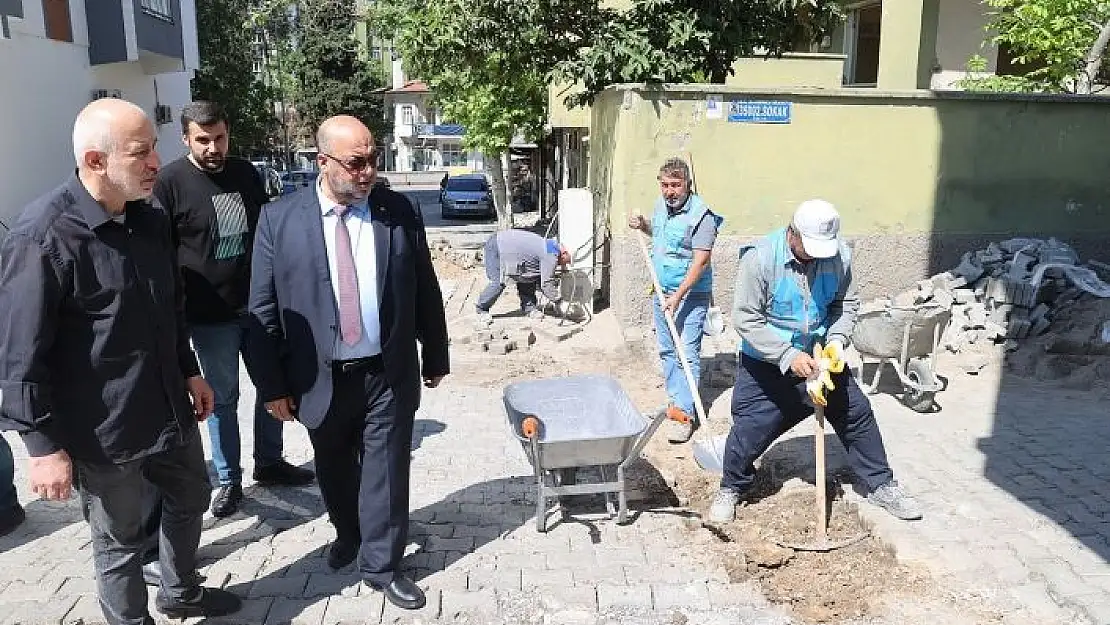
[
  {"x": 766, "y": 404},
  {"x": 363, "y": 449},
  {"x": 117, "y": 499}
]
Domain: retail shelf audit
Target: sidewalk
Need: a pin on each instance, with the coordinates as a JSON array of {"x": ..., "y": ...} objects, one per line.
[{"x": 474, "y": 547}]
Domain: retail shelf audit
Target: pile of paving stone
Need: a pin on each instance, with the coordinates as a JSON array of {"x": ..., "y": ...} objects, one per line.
[{"x": 1008, "y": 291}]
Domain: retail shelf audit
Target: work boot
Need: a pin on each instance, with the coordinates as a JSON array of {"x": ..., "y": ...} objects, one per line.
[
  {"x": 895, "y": 500},
  {"x": 682, "y": 425},
  {"x": 723, "y": 508}
]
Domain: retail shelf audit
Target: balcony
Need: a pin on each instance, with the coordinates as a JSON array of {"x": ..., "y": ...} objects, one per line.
[
  {"x": 439, "y": 131},
  {"x": 144, "y": 31}
]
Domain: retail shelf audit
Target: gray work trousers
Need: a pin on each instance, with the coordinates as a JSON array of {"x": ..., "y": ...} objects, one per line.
[
  {"x": 113, "y": 495},
  {"x": 496, "y": 275}
]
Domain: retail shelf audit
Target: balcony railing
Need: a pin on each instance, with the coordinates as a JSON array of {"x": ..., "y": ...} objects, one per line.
[{"x": 440, "y": 130}]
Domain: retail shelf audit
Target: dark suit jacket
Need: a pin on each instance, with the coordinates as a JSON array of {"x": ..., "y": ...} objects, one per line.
[{"x": 294, "y": 315}]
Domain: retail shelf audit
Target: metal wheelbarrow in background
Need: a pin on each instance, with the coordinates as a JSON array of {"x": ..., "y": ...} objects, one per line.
[
  {"x": 907, "y": 338},
  {"x": 575, "y": 422}
]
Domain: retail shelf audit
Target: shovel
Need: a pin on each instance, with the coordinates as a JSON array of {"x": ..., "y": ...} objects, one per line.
[
  {"x": 714, "y": 457},
  {"x": 822, "y": 543}
]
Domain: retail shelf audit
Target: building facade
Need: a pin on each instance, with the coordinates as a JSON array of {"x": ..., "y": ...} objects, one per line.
[
  {"x": 58, "y": 55},
  {"x": 422, "y": 140}
]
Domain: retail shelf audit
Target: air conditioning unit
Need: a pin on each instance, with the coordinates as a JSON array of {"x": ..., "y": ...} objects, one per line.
[
  {"x": 106, "y": 93},
  {"x": 163, "y": 114}
]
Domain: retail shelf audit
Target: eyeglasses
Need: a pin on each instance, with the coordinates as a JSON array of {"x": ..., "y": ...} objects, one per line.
[{"x": 355, "y": 163}]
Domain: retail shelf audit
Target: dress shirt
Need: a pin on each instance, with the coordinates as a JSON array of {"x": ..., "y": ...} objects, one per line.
[{"x": 359, "y": 225}]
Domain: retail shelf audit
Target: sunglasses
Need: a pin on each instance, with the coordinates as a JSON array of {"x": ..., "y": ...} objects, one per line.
[{"x": 355, "y": 163}]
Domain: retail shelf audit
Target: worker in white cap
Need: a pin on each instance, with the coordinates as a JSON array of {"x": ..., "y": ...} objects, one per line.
[{"x": 794, "y": 291}]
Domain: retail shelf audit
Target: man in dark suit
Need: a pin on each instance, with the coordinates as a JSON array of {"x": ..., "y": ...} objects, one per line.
[{"x": 342, "y": 288}]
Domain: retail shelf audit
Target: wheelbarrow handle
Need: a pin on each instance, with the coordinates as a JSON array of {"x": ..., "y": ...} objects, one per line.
[{"x": 530, "y": 426}]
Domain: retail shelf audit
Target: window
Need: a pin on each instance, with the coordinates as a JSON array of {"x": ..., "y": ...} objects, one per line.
[
  {"x": 406, "y": 115},
  {"x": 158, "y": 8},
  {"x": 452, "y": 155},
  {"x": 376, "y": 53},
  {"x": 432, "y": 115},
  {"x": 56, "y": 16}
]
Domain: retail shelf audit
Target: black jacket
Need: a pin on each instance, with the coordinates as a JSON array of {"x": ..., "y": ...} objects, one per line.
[{"x": 93, "y": 348}]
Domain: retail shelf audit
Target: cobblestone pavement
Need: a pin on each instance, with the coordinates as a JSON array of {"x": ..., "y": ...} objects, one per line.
[{"x": 474, "y": 547}]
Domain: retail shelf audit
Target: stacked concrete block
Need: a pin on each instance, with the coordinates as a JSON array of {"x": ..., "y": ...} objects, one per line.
[{"x": 992, "y": 295}]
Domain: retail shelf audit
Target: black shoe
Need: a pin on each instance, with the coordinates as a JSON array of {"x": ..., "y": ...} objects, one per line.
[
  {"x": 227, "y": 500},
  {"x": 281, "y": 473},
  {"x": 12, "y": 519},
  {"x": 208, "y": 602},
  {"x": 342, "y": 553},
  {"x": 403, "y": 593},
  {"x": 152, "y": 575}
]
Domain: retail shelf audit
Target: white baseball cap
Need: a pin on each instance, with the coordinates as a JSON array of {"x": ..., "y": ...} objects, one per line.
[{"x": 818, "y": 224}]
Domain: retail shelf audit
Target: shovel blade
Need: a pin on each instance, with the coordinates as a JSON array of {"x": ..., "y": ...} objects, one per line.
[
  {"x": 822, "y": 545},
  {"x": 709, "y": 453}
]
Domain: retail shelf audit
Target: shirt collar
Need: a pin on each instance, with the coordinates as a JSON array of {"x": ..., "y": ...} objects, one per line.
[
  {"x": 362, "y": 209},
  {"x": 90, "y": 210}
]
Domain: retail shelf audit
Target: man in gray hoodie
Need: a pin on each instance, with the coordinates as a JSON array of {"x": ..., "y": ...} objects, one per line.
[{"x": 527, "y": 259}]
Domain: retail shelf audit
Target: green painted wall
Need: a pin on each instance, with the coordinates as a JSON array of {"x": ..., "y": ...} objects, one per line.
[{"x": 892, "y": 163}]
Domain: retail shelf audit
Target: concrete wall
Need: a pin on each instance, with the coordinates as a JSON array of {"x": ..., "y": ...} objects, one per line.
[
  {"x": 789, "y": 70},
  {"x": 961, "y": 33},
  {"x": 918, "y": 177}
]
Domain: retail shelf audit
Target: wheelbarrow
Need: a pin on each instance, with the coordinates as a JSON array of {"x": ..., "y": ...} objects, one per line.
[
  {"x": 907, "y": 338},
  {"x": 569, "y": 423}
]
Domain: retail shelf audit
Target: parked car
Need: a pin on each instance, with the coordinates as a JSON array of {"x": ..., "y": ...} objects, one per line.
[
  {"x": 293, "y": 180},
  {"x": 466, "y": 195}
]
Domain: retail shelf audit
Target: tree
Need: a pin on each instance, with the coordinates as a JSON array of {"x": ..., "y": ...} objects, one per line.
[
  {"x": 659, "y": 41},
  {"x": 226, "y": 48},
  {"x": 332, "y": 76},
  {"x": 488, "y": 65},
  {"x": 1060, "y": 43}
]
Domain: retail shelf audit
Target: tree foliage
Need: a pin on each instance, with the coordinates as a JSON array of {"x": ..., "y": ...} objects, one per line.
[
  {"x": 224, "y": 76},
  {"x": 1051, "y": 39},
  {"x": 658, "y": 41},
  {"x": 331, "y": 75},
  {"x": 489, "y": 63}
]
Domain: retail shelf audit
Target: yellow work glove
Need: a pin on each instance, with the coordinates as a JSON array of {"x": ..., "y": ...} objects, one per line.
[
  {"x": 822, "y": 381},
  {"x": 834, "y": 352}
]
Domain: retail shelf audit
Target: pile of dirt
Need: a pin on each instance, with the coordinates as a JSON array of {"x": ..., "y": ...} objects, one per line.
[
  {"x": 1075, "y": 355},
  {"x": 848, "y": 583}
]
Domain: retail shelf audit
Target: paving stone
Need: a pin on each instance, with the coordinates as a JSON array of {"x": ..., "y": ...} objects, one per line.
[
  {"x": 614, "y": 596},
  {"x": 292, "y": 586},
  {"x": 86, "y": 611},
  {"x": 559, "y": 599},
  {"x": 668, "y": 596},
  {"x": 455, "y": 603},
  {"x": 297, "y": 612},
  {"x": 78, "y": 586},
  {"x": 328, "y": 585},
  {"x": 366, "y": 609},
  {"x": 50, "y": 612}
]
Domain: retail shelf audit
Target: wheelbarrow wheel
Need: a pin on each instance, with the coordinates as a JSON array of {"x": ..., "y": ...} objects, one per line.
[{"x": 916, "y": 399}]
